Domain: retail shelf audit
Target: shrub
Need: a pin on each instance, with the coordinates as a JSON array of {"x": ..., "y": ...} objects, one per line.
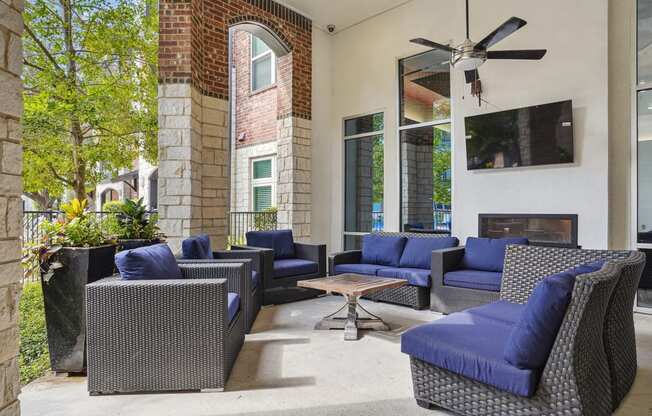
[
  {"x": 130, "y": 221},
  {"x": 34, "y": 359}
]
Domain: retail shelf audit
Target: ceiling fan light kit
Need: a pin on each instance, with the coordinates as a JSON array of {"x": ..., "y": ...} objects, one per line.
[{"x": 469, "y": 55}]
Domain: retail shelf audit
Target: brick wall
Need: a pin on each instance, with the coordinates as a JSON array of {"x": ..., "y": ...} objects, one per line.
[
  {"x": 194, "y": 46},
  {"x": 11, "y": 57},
  {"x": 255, "y": 112}
]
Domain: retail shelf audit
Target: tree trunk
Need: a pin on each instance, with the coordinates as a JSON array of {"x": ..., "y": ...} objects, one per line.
[{"x": 76, "y": 135}]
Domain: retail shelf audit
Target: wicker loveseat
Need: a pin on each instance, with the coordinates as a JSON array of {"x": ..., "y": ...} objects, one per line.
[
  {"x": 416, "y": 293},
  {"x": 592, "y": 363},
  {"x": 165, "y": 335}
]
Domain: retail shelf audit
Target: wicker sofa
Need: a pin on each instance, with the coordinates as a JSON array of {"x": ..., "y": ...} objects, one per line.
[
  {"x": 416, "y": 294},
  {"x": 284, "y": 262},
  {"x": 459, "y": 283},
  {"x": 592, "y": 363},
  {"x": 165, "y": 335}
]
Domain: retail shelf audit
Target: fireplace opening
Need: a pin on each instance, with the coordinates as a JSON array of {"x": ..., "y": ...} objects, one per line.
[{"x": 551, "y": 230}]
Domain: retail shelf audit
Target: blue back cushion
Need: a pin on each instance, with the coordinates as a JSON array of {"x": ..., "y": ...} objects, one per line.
[
  {"x": 281, "y": 241},
  {"x": 383, "y": 250},
  {"x": 418, "y": 251},
  {"x": 197, "y": 248},
  {"x": 151, "y": 262},
  {"x": 533, "y": 336},
  {"x": 487, "y": 254}
]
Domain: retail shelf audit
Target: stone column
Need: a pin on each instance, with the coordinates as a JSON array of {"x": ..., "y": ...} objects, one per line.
[
  {"x": 193, "y": 165},
  {"x": 294, "y": 165},
  {"x": 11, "y": 219}
]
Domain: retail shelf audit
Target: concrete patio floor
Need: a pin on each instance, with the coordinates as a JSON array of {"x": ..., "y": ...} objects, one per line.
[{"x": 286, "y": 368}]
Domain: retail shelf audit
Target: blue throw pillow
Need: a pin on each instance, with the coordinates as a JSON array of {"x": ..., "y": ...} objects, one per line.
[
  {"x": 151, "y": 262},
  {"x": 381, "y": 249},
  {"x": 197, "y": 248},
  {"x": 418, "y": 251},
  {"x": 487, "y": 254},
  {"x": 281, "y": 241},
  {"x": 533, "y": 336}
]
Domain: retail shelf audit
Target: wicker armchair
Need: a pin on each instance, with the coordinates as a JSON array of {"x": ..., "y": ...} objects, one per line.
[
  {"x": 164, "y": 335},
  {"x": 416, "y": 297},
  {"x": 591, "y": 365},
  {"x": 254, "y": 262}
]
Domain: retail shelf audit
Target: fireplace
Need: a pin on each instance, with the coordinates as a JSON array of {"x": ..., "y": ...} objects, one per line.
[{"x": 551, "y": 230}]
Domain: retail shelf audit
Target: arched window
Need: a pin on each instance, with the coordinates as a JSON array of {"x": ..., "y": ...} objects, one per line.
[{"x": 109, "y": 195}]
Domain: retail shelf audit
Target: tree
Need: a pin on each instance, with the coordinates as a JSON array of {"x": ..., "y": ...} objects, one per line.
[
  {"x": 441, "y": 167},
  {"x": 90, "y": 92}
]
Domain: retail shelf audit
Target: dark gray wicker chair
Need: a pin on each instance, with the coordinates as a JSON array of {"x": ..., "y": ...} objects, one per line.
[
  {"x": 416, "y": 297},
  {"x": 254, "y": 261},
  {"x": 164, "y": 335},
  {"x": 285, "y": 289},
  {"x": 589, "y": 369},
  {"x": 448, "y": 299}
]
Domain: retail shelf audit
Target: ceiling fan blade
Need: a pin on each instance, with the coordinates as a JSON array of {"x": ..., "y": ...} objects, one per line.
[
  {"x": 431, "y": 44},
  {"x": 510, "y": 26},
  {"x": 532, "y": 54},
  {"x": 472, "y": 75}
]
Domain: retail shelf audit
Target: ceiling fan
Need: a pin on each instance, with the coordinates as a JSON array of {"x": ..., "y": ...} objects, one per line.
[{"x": 469, "y": 55}]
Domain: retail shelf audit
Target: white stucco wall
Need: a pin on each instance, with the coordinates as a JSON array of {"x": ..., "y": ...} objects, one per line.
[{"x": 364, "y": 79}]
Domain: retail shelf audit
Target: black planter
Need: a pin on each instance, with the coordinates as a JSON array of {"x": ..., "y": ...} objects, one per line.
[
  {"x": 135, "y": 243},
  {"x": 64, "y": 296}
]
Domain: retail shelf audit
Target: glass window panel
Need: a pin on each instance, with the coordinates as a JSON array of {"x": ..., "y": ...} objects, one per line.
[
  {"x": 644, "y": 42},
  {"x": 258, "y": 46},
  {"x": 424, "y": 88},
  {"x": 426, "y": 178},
  {"x": 363, "y": 172},
  {"x": 645, "y": 167},
  {"x": 262, "y": 198},
  {"x": 261, "y": 73},
  {"x": 365, "y": 124},
  {"x": 352, "y": 242},
  {"x": 263, "y": 169}
]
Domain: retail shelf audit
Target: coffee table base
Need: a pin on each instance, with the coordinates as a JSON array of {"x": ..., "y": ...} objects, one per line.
[{"x": 352, "y": 322}]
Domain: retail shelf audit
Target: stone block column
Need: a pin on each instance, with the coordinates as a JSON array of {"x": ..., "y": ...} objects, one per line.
[
  {"x": 193, "y": 165},
  {"x": 294, "y": 165},
  {"x": 11, "y": 219}
]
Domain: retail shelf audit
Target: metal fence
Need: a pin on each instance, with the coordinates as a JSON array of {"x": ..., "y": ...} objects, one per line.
[
  {"x": 33, "y": 220},
  {"x": 242, "y": 222},
  {"x": 377, "y": 221},
  {"x": 442, "y": 219}
]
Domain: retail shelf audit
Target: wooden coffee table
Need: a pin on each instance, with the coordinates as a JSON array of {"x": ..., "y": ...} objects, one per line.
[{"x": 352, "y": 286}]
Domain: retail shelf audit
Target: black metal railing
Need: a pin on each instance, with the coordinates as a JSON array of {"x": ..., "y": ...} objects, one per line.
[{"x": 242, "y": 222}]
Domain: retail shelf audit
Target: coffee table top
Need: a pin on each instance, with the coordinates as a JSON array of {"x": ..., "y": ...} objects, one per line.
[{"x": 352, "y": 284}]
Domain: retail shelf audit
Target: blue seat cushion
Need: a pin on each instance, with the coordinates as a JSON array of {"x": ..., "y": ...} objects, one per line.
[
  {"x": 150, "y": 262},
  {"x": 418, "y": 251},
  {"x": 533, "y": 335},
  {"x": 471, "y": 346},
  {"x": 382, "y": 249},
  {"x": 255, "y": 278},
  {"x": 503, "y": 311},
  {"x": 233, "y": 304},
  {"x": 281, "y": 241},
  {"x": 487, "y": 254},
  {"x": 294, "y": 267},
  {"x": 197, "y": 248},
  {"x": 474, "y": 279},
  {"x": 415, "y": 277},
  {"x": 358, "y": 268}
]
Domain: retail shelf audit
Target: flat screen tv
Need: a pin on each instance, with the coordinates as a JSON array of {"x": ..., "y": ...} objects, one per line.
[{"x": 530, "y": 136}]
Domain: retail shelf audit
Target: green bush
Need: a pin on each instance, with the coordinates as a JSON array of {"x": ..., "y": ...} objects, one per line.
[{"x": 34, "y": 359}]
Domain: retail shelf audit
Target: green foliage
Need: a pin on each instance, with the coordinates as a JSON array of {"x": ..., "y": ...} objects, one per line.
[
  {"x": 266, "y": 220},
  {"x": 441, "y": 168},
  {"x": 79, "y": 232},
  {"x": 130, "y": 220},
  {"x": 90, "y": 91},
  {"x": 75, "y": 209},
  {"x": 378, "y": 175},
  {"x": 34, "y": 359},
  {"x": 112, "y": 206}
]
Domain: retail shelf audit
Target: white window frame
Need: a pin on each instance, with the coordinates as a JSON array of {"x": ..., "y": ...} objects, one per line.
[
  {"x": 255, "y": 183},
  {"x": 259, "y": 57}
]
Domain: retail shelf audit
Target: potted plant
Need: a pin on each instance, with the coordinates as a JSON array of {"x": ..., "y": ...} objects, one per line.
[
  {"x": 131, "y": 224},
  {"x": 73, "y": 252}
]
